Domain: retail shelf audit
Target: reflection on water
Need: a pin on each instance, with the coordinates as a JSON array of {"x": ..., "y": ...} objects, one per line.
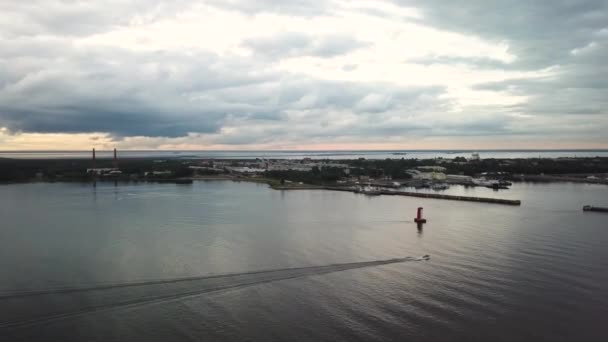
[
  {"x": 420, "y": 227},
  {"x": 497, "y": 272}
]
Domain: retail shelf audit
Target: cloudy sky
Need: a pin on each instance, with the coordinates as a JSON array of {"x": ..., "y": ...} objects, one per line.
[{"x": 323, "y": 74}]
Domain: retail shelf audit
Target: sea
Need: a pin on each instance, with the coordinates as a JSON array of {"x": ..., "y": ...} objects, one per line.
[
  {"x": 238, "y": 261},
  {"x": 394, "y": 154}
]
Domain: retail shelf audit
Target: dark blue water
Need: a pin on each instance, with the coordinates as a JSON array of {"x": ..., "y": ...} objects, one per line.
[{"x": 133, "y": 262}]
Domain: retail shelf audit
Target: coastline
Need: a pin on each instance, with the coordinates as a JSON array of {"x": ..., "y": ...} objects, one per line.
[{"x": 559, "y": 179}]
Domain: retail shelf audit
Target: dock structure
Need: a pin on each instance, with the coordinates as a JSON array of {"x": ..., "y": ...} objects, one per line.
[
  {"x": 453, "y": 197},
  {"x": 411, "y": 194}
]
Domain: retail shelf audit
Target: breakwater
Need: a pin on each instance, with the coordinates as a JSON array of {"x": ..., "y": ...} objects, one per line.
[
  {"x": 453, "y": 197},
  {"x": 411, "y": 194}
]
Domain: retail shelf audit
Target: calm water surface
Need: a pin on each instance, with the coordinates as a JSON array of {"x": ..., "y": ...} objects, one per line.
[{"x": 500, "y": 273}]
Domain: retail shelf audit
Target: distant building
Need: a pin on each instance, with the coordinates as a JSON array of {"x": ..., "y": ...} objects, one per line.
[
  {"x": 413, "y": 172},
  {"x": 439, "y": 176},
  {"x": 206, "y": 168},
  {"x": 417, "y": 174},
  {"x": 220, "y": 164},
  {"x": 475, "y": 157},
  {"x": 432, "y": 168},
  {"x": 459, "y": 179},
  {"x": 101, "y": 170},
  {"x": 245, "y": 169}
]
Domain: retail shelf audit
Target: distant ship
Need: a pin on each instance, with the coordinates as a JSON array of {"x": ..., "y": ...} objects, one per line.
[
  {"x": 592, "y": 208},
  {"x": 491, "y": 183},
  {"x": 423, "y": 185},
  {"x": 440, "y": 186},
  {"x": 485, "y": 182},
  {"x": 369, "y": 191}
]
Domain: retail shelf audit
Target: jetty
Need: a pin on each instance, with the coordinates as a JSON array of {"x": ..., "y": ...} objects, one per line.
[
  {"x": 410, "y": 194},
  {"x": 453, "y": 197}
]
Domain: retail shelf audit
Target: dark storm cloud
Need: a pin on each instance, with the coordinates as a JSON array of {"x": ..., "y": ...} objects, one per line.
[
  {"x": 119, "y": 92},
  {"x": 373, "y": 125},
  {"x": 542, "y": 33},
  {"x": 170, "y": 94},
  {"x": 580, "y": 87},
  {"x": 569, "y": 36}
]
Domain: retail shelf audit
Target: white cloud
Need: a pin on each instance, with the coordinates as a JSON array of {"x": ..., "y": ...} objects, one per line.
[
  {"x": 270, "y": 73},
  {"x": 585, "y": 49}
]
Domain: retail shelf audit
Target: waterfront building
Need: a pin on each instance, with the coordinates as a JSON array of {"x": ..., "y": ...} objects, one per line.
[{"x": 459, "y": 179}]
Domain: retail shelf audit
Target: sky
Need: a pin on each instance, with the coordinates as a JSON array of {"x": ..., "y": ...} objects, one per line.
[{"x": 303, "y": 75}]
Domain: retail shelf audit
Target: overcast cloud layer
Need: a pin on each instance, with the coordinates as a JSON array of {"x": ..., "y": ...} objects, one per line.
[{"x": 240, "y": 74}]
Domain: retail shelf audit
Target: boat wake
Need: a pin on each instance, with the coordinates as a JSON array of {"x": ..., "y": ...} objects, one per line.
[{"x": 27, "y": 308}]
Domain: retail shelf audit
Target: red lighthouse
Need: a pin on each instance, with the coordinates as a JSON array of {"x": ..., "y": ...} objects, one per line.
[{"x": 419, "y": 218}]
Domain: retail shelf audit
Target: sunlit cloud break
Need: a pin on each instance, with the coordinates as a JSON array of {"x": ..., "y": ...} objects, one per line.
[{"x": 324, "y": 74}]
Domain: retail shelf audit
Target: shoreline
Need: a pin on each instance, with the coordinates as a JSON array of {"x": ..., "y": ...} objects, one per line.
[
  {"x": 275, "y": 185},
  {"x": 558, "y": 179}
]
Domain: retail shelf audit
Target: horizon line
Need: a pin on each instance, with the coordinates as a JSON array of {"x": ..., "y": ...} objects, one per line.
[{"x": 322, "y": 150}]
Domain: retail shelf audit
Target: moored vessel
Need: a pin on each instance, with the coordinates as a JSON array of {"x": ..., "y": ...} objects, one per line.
[{"x": 592, "y": 208}]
